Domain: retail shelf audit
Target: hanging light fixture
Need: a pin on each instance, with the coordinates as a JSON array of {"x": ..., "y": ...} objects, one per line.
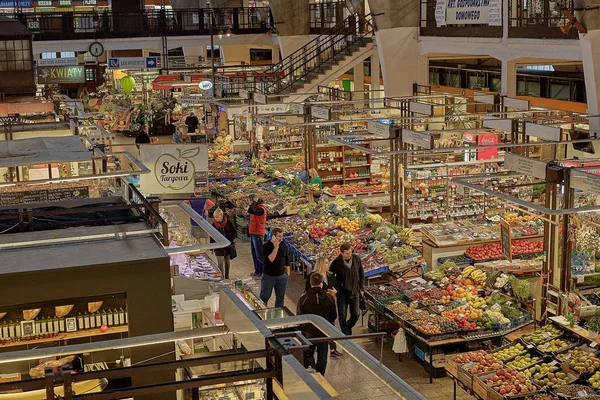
[
  {"x": 228, "y": 33},
  {"x": 220, "y": 34}
]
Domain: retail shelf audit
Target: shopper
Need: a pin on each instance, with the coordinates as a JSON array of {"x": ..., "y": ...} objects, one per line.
[
  {"x": 192, "y": 123},
  {"x": 143, "y": 137},
  {"x": 301, "y": 172},
  {"x": 256, "y": 230},
  {"x": 277, "y": 269},
  {"x": 348, "y": 271},
  {"x": 315, "y": 178},
  {"x": 318, "y": 302},
  {"x": 226, "y": 254},
  {"x": 201, "y": 205},
  {"x": 329, "y": 284}
]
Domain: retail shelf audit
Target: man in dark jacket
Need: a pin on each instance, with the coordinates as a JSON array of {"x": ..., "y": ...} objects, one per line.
[
  {"x": 318, "y": 302},
  {"x": 192, "y": 123},
  {"x": 142, "y": 137},
  {"x": 349, "y": 276}
]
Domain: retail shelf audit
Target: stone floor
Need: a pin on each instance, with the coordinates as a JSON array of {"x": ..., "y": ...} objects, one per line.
[{"x": 342, "y": 372}]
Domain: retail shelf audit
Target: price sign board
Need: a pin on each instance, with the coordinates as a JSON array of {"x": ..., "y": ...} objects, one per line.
[
  {"x": 420, "y": 139},
  {"x": 506, "y": 239}
]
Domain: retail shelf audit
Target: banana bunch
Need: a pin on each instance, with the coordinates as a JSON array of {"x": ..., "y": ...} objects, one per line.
[
  {"x": 474, "y": 274},
  {"x": 341, "y": 202},
  {"x": 408, "y": 235}
]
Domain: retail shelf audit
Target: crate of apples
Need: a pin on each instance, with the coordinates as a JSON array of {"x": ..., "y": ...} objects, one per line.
[
  {"x": 509, "y": 352},
  {"x": 512, "y": 383}
]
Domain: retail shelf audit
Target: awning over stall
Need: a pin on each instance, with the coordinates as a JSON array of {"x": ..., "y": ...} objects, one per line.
[{"x": 45, "y": 150}]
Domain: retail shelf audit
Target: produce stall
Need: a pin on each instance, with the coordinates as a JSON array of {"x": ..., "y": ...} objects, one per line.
[
  {"x": 443, "y": 311},
  {"x": 554, "y": 362}
]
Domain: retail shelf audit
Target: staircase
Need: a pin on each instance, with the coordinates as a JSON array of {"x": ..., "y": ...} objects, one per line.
[{"x": 321, "y": 60}]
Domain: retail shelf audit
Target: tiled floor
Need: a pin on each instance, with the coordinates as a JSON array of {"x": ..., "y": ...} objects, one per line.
[{"x": 342, "y": 372}]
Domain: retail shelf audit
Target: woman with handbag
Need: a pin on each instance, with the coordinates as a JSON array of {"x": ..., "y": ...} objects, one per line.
[{"x": 226, "y": 254}]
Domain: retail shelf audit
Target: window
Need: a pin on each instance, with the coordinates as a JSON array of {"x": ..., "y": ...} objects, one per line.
[
  {"x": 46, "y": 56},
  {"x": 67, "y": 54},
  {"x": 15, "y": 55},
  {"x": 217, "y": 52},
  {"x": 261, "y": 55},
  {"x": 548, "y": 68},
  {"x": 90, "y": 74},
  {"x": 88, "y": 57}
]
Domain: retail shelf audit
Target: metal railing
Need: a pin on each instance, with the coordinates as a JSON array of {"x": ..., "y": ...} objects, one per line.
[
  {"x": 146, "y": 23},
  {"x": 538, "y": 18},
  {"x": 320, "y": 54},
  {"x": 527, "y": 19},
  {"x": 324, "y": 16}
]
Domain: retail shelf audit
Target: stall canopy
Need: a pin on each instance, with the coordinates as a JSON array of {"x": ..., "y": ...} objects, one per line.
[{"x": 46, "y": 150}]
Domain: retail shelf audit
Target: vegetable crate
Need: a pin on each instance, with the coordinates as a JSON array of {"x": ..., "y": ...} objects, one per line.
[{"x": 379, "y": 304}]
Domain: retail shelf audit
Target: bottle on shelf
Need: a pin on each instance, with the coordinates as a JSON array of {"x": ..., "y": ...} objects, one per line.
[
  {"x": 110, "y": 318},
  {"x": 50, "y": 324},
  {"x": 92, "y": 321},
  {"x": 11, "y": 330},
  {"x": 61, "y": 325},
  {"x": 56, "y": 323},
  {"x": 18, "y": 328},
  {"x": 98, "y": 319},
  {"x": 5, "y": 330},
  {"x": 86, "y": 320},
  {"x": 38, "y": 326},
  {"x": 121, "y": 316},
  {"x": 80, "y": 321},
  {"x": 104, "y": 318}
]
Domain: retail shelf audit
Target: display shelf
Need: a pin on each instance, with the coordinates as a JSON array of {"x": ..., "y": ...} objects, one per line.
[
  {"x": 112, "y": 330},
  {"x": 286, "y": 149}
]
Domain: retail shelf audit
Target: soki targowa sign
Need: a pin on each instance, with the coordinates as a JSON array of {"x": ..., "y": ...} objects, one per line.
[
  {"x": 174, "y": 168},
  {"x": 468, "y": 12}
]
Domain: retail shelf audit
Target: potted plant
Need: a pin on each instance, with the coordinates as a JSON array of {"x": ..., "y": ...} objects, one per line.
[
  {"x": 593, "y": 327},
  {"x": 571, "y": 318}
]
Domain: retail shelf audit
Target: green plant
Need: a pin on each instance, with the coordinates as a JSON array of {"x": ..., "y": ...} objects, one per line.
[
  {"x": 593, "y": 325},
  {"x": 571, "y": 318}
]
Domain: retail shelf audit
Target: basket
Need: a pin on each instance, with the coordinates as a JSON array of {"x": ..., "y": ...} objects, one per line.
[
  {"x": 379, "y": 304},
  {"x": 432, "y": 338},
  {"x": 513, "y": 357}
]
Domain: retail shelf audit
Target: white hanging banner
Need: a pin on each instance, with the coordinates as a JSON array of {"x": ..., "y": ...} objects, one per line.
[
  {"x": 469, "y": 12},
  {"x": 174, "y": 168},
  {"x": 416, "y": 138}
]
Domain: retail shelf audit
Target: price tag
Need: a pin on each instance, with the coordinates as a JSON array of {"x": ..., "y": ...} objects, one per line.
[
  {"x": 386, "y": 192},
  {"x": 546, "y": 345},
  {"x": 354, "y": 195},
  {"x": 331, "y": 159},
  {"x": 547, "y": 334},
  {"x": 369, "y": 194},
  {"x": 529, "y": 346},
  {"x": 554, "y": 362},
  {"x": 249, "y": 396},
  {"x": 581, "y": 393},
  {"x": 568, "y": 357},
  {"x": 580, "y": 278},
  {"x": 593, "y": 345}
]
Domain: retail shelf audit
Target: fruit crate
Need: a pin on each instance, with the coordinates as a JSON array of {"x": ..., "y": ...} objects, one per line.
[
  {"x": 464, "y": 376},
  {"x": 493, "y": 395},
  {"x": 572, "y": 376},
  {"x": 458, "y": 260},
  {"x": 546, "y": 339},
  {"x": 526, "y": 349},
  {"x": 379, "y": 304},
  {"x": 570, "y": 340},
  {"x": 479, "y": 386},
  {"x": 429, "y": 337},
  {"x": 451, "y": 365}
]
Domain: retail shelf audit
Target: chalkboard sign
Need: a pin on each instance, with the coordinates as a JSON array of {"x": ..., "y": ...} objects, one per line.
[
  {"x": 10, "y": 199},
  {"x": 35, "y": 196},
  {"x": 61, "y": 194},
  {"x": 506, "y": 239}
]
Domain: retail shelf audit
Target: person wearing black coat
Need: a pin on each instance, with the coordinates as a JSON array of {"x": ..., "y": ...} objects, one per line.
[
  {"x": 349, "y": 275},
  {"x": 226, "y": 254},
  {"x": 318, "y": 302},
  {"x": 143, "y": 137}
]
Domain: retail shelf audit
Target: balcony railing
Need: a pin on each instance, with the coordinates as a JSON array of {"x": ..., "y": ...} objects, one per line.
[
  {"x": 535, "y": 19},
  {"x": 146, "y": 23},
  {"x": 324, "y": 16},
  {"x": 538, "y": 19}
]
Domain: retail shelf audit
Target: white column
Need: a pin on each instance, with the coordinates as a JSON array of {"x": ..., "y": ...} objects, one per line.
[
  {"x": 399, "y": 54},
  {"x": 275, "y": 58},
  {"x": 509, "y": 78},
  {"x": 590, "y": 52}
]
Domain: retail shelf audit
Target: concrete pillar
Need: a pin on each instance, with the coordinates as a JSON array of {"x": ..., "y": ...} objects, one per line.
[
  {"x": 398, "y": 50},
  {"x": 275, "y": 58},
  {"x": 359, "y": 81},
  {"x": 509, "y": 78},
  {"x": 292, "y": 21},
  {"x": 590, "y": 52},
  {"x": 375, "y": 77}
]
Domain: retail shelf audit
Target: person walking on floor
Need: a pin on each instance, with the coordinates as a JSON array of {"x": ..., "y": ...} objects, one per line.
[
  {"x": 349, "y": 275},
  {"x": 201, "y": 205},
  {"x": 329, "y": 284},
  {"x": 226, "y": 254},
  {"x": 318, "y": 302},
  {"x": 277, "y": 269},
  {"x": 192, "y": 123},
  {"x": 256, "y": 229}
]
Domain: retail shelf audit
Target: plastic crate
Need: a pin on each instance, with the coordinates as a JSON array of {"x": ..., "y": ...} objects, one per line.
[{"x": 376, "y": 271}]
